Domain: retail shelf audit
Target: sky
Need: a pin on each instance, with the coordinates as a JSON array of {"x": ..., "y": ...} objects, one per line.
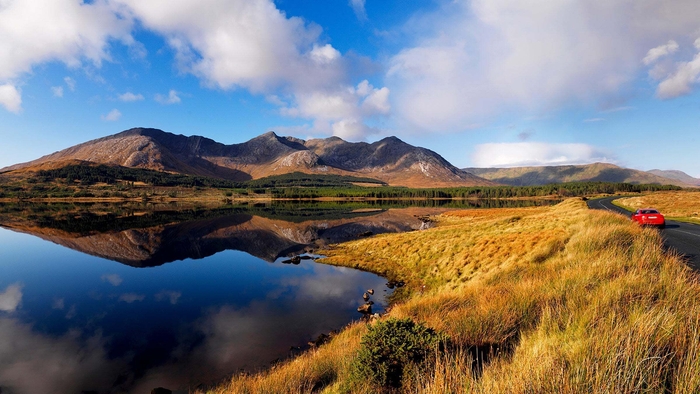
[{"x": 484, "y": 83}]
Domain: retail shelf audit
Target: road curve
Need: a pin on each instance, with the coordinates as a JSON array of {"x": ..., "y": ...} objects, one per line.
[{"x": 683, "y": 237}]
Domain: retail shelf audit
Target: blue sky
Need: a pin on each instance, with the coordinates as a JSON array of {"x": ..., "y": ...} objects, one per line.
[{"x": 483, "y": 82}]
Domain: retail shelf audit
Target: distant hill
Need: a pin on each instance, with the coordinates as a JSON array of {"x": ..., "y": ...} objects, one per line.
[
  {"x": 677, "y": 175},
  {"x": 390, "y": 159},
  {"x": 603, "y": 172}
]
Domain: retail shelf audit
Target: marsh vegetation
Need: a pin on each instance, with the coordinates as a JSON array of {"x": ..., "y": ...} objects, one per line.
[{"x": 544, "y": 299}]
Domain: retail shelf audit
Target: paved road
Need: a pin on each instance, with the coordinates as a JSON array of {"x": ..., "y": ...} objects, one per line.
[{"x": 683, "y": 237}]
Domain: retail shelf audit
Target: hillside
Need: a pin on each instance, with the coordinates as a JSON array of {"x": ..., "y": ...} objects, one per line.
[
  {"x": 677, "y": 175},
  {"x": 390, "y": 159},
  {"x": 560, "y": 299},
  {"x": 596, "y": 172}
]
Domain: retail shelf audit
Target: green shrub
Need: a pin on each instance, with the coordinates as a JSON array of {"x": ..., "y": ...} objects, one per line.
[{"x": 392, "y": 345}]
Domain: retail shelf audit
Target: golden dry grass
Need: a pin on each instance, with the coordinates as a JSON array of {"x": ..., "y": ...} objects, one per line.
[
  {"x": 683, "y": 205},
  {"x": 568, "y": 301}
]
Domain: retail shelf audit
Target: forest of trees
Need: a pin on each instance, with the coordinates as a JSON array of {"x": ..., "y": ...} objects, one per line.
[{"x": 76, "y": 181}]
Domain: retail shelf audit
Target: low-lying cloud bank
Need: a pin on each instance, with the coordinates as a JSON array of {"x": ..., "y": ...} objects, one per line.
[{"x": 520, "y": 154}]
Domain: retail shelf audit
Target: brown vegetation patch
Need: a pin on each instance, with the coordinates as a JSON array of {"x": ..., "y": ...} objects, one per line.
[{"x": 561, "y": 299}]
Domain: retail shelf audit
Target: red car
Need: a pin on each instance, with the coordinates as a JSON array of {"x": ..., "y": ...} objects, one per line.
[{"x": 649, "y": 217}]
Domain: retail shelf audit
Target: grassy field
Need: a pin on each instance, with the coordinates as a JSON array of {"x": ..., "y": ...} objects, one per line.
[
  {"x": 679, "y": 205},
  {"x": 534, "y": 300}
]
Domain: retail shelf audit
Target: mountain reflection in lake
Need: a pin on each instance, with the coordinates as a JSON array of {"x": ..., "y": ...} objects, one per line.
[{"x": 72, "y": 320}]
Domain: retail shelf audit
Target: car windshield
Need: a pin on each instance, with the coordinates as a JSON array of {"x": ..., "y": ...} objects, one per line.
[{"x": 645, "y": 211}]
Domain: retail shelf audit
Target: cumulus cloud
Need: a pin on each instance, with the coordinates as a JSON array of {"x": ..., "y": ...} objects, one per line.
[
  {"x": 535, "y": 154},
  {"x": 476, "y": 59},
  {"x": 660, "y": 51},
  {"x": 68, "y": 31},
  {"x": 112, "y": 279},
  {"x": 680, "y": 82},
  {"x": 359, "y": 7},
  {"x": 128, "y": 97},
  {"x": 11, "y": 298},
  {"x": 342, "y": 111},
  {"x": 10, "y": 98},
  {"x": 171, "y": 98},
  {"x": 253, "y": 45},
  {"x": 228, "y": 44},
  {"x": 113, "y": 116},
  {"x": 57, "y": 91},
  {"x": 70, "y": 82}
]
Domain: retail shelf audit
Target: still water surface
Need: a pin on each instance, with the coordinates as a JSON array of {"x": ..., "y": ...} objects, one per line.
[{"x": 171, "y": 299}]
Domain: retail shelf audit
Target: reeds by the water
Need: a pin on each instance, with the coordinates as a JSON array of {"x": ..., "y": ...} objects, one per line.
[{"x": 536, "y": 300}]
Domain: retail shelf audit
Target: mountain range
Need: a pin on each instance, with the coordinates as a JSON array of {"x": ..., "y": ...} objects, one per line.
[
  {"x": 389, "y": 160},
  {"x": 596, "y": 172}
]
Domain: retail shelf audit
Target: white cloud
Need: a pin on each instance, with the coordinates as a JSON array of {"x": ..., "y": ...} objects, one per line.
[
  {"x": 68, "y": 31},
  {"x": 359, "y": 7},
  {"x": 253, "y": 45},
  {"x": 660, "y": 51},
  {"x": 473, "y": 60},
  {"x": 57, "y": 91},
  {"x": 535, "y": 154},
  {"x": 128, "y": 97},
  {"x": 349, "y": 129},
  {"x": 342, "y": 111},
  {"x": 70, "y": 82},
  {"x": 171, "y": 296},
  {"x": 112, "y": 279},
  {"x": 171, "y": 98},
  {"x": 11, "y": 298},
  {"x": 324, "y": 54},
  {"x": 10, "y": 98},
  {"x": 113, "y": 116},
  {"x": 228, "y": 44},
  {"x": 681, "y": 81},
  {"x": 131, "y": 297},
  {"x": 618, "y": 109}
]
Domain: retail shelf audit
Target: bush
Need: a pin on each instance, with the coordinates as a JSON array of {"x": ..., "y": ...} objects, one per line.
[{"x": 392, "y": 345}]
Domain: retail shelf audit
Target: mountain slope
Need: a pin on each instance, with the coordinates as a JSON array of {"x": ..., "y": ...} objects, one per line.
[
  {"x": 603, "y": 172},
  {"x": 390, "y": 160},
  {"x": 677, "y": 175}
]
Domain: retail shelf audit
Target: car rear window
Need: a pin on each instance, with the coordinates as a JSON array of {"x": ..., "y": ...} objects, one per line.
[{"x": 646, "y": 211}]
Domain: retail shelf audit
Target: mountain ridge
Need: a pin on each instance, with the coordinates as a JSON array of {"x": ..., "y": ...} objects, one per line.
[
  {"x": 390, "y": 159},
  {"x": 602, "y": 172},
  {"x": 677, "y": 175}
]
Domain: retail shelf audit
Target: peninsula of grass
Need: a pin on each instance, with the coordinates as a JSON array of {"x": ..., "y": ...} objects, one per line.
[
  {"x": 557, "y": 299},
  {"x": 682, "y": 206}
]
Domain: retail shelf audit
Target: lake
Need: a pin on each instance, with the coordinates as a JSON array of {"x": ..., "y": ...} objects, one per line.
[{"x": 128, "y": 297}]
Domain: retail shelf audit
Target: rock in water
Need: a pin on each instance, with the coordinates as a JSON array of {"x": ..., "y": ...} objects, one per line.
[
  {"x": 365, "y": 297},
  {"x": 370, "y": 291},
  {"x": 365, "y": 309}
]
